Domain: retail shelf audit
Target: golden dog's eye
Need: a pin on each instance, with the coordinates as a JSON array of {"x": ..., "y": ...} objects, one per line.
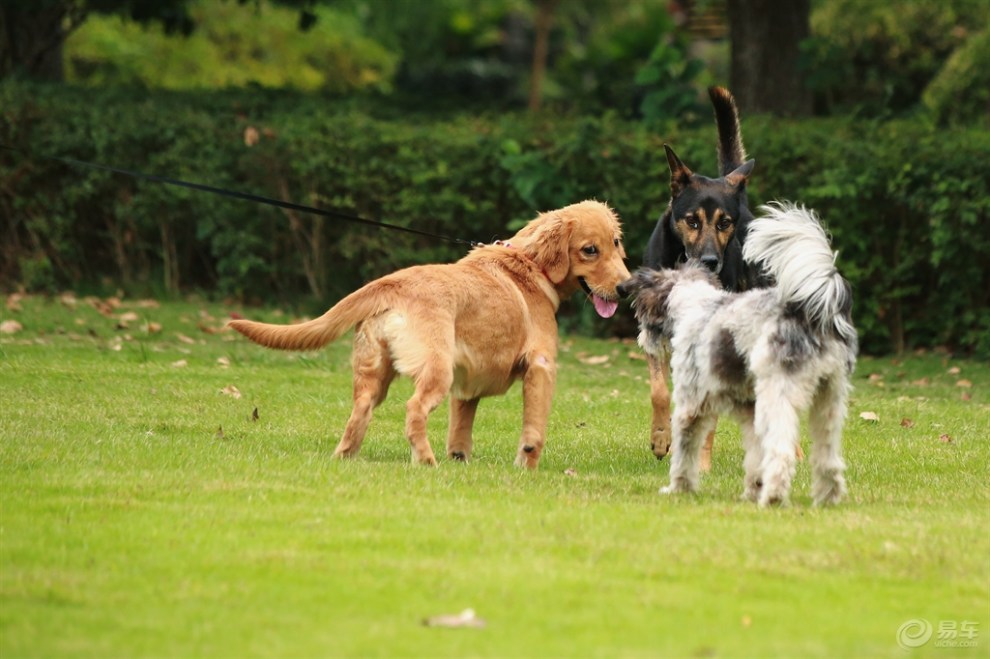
[
  {"x": 615, "y": 242},
  {"x": 589, "y": 250}
]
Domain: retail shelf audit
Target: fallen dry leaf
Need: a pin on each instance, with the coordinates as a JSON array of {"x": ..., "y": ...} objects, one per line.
[
  {"x": 945, "y": 439},
  {"x": 966, "y": 396},
  {"x": 153, "y": 328},
  {"x": 907, "y": 423},
  {"x": 10, "y": 327},
  {"x": 185, "y": 339},
  {"x": 570, "y": 472},
  {"x": 147, "y": 304},
  {"x": 102, "y": 307},
  {"x": 231, "y": 390},
  {"x": 128, "y": 317},
  {"x": 14, "y": 302},
  {"x": 254, "y": 415},
  {"x": 180, "y": 364},
  {"x": 224, "y": 362},
  {"x": 921, "y": 382},
  {"x": 220, "y": 432},
  {"x": 955, "y": 370},
  {"x": 639, "y": 356},
  {"x": 869, "y": 416},
  {"x": 875, "y": 377},
  {"x": 465, "y": 619},
  {"x": 593, "y": 360},
  {"x": 966, "y": 384}
]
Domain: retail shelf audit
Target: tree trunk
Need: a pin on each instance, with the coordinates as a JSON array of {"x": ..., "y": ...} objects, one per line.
[
  {"x": 541, "y": 49},
  {"x": 31, "y": 38},
  {"x": 766, "y": 37}
]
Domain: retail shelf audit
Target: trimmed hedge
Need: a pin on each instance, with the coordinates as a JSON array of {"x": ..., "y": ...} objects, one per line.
[{"x": 907, "y": 206}]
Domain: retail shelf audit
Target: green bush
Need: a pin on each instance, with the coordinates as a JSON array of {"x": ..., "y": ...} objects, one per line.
[
  {"x": 877, "y": 58},
  {"x": 907, "y": 207},
  {"x": 961, "y": 91},
  {"x": 231, "y": 47}
]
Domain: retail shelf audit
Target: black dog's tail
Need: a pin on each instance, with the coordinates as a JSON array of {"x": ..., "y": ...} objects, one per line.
[
  {"x": 731, "y": 152},
  {"x": 789, "y": 241}
]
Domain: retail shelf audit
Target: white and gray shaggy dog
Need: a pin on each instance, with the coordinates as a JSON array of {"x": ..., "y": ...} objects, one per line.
[{"x": 764, "y": 355}]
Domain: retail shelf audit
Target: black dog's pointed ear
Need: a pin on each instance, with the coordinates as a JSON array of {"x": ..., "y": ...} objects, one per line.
[
  {"x": 680, "y": 175},
  {"x": 740, "y": 174}
]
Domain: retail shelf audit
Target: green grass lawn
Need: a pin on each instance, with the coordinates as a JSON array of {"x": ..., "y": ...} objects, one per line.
[{"x": 145, "y": 512}]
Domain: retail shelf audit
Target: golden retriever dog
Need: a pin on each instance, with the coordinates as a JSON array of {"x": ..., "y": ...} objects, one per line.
[{"x": 470, "y": 328}]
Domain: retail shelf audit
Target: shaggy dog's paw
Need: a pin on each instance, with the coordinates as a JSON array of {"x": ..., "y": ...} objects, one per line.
[
  {"x": 751, "y": 492},
  {"x": 768, "y": 499},
  {"x": 678, "y": 486},
  {"x": 829, "y": 493}
]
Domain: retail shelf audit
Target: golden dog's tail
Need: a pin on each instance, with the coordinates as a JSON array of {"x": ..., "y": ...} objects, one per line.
[{"x": 359, "y": 305}]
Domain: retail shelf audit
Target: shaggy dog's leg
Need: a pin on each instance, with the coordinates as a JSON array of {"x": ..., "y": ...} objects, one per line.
[
  {"x": 538, "y": 387},
  {"x": 777, "y": 426},
  {"x": 828, "y": 412},
  {"x": 753, "y": 461},
  {"x": 373, "y": 373},
  {"x": 660, "y": 437},
  {"x": 690, "y": 430},
  {"x": 461, "y": 422}
]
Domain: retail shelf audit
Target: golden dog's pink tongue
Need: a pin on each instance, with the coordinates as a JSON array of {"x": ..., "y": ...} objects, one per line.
[{"x": 605, "y": 308}]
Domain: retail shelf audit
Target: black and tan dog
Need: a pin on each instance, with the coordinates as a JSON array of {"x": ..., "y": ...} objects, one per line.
[{"x": 706, "y": 219}]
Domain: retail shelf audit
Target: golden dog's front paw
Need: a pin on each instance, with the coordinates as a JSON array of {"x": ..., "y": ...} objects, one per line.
[
  {"x": 424, "y": 458},
  {"x": 528, "y": 457}
]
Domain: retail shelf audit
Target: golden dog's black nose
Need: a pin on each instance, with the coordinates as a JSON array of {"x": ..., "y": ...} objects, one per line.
[{"x": 624, "y": 288}]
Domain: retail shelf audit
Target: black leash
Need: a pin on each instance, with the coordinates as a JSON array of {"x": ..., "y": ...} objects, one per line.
[{"x": 245, "y": 196}]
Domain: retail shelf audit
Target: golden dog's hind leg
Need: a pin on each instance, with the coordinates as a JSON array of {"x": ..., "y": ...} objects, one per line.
[
  {"x": 461, "y": 422},
  {"x": 373, "y": 373},
  {"x": 538, "y": 387},
  {"x": 660, "y": 437},
  {"x": 432, "y": 385}
]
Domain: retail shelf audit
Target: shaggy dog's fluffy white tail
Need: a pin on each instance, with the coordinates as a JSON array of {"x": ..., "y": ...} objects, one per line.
[{"x": 789, "y": 242}]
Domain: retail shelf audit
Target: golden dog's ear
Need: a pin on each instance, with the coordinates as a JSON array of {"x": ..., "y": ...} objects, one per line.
[{"x": 546, "y": 240}]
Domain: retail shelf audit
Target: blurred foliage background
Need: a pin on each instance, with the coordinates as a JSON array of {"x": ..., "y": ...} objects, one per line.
[{"x": 466, "y": 117}]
